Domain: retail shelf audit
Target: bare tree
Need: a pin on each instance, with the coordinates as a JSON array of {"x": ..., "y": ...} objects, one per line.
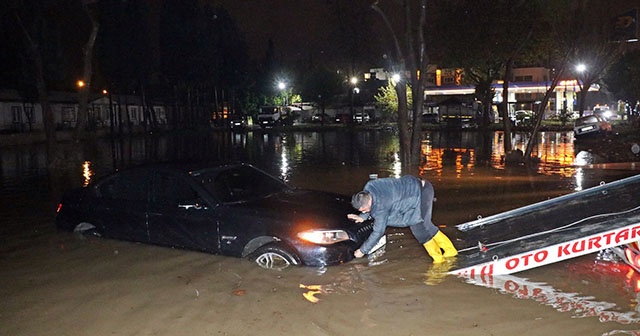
[
  {"x": 33, "y": 47},
  {"x": 411, "y": 61},
  {"x": 576, "y": 29},
  {"x": 87, "y": 74},
  {"x": 594, "y": 54}
]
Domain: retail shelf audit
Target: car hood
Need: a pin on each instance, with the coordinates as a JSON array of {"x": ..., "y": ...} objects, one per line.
[{"x": 320, "y": 209}]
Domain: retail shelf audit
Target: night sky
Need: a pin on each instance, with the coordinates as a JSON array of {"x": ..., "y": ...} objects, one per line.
[{"x": 302, "y": 28}]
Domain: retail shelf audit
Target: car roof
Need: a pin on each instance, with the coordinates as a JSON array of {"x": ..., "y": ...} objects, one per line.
[
  {"x": 589, "y": 117},
  {"x": 192, "y": 168}
]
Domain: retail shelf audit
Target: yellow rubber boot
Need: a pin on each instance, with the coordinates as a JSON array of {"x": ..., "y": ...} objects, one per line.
[
  {"x": 444, "y": 243},
  {"x": 434, "y": 251}
]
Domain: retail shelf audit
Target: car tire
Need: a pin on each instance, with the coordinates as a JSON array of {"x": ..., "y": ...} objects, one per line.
[
  {"x": 274, "y": 256},
  {"x": 86, "y": 230}
]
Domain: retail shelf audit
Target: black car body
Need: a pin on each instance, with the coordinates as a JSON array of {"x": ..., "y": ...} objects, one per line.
[{"x": 234, "y": 209}]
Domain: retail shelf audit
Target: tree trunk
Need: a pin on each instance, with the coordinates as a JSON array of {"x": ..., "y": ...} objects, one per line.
[
  {"x": 540, "y": 116},
  {"x": 403, "y": 124},
  {"x": 43, "y": 96},
  {"x": 410, "y": 60},
  {"x": 81, "y": 121},
  {"x": 582, "y": 101},
  {"x": 504, "y": 111},
  {"x": 418, "y": 86}
]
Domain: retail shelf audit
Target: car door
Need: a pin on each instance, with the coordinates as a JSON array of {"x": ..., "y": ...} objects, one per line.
[
  {"x": 119, "y": 206},
  {"x": 241, "y": 218},
  {"x": 179, "y": 216}
]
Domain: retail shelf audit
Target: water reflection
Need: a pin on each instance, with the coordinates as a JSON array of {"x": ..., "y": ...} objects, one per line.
[
  {"x": 579, "y": 305},
  {"x": 86, "y": 173},
  {"x": 441, "y": 151},
  {"x": 462, "y": 151}
]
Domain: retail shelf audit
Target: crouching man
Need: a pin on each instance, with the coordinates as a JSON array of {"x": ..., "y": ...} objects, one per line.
[{"x": 401, "y": 202}]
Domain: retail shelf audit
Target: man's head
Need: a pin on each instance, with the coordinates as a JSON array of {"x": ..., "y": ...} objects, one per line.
[{"x": 362, "y": 201}]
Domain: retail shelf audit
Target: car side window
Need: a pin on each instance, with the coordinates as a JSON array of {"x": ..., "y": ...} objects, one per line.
[
  {"x": 243, "y": 183},
  {"x": 228, "y": 188},
  {"x": 127, "y": 186},
  {"x": 172, "y": 190}
]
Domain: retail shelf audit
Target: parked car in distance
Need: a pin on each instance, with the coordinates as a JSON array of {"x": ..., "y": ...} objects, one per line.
[
  {"x": 320, "y": 117},
  {"x": 522, "y": 117},
  {"x": 591, "y": 124},
  {"x": 360, "y": 117},
  {"x": 342, "y": 118},
  {"x": 430, "y": 118},
  {"x": 231, "y": 209},
  {"x": 238, "y": 123}
]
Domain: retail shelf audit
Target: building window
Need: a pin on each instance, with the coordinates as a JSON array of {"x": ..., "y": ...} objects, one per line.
[
  {"x": 133, "y": 113},
  {"x": 68, "y": 115},
  {"x": 28, "y": 112},
  {"x": 16, "y": 112}
]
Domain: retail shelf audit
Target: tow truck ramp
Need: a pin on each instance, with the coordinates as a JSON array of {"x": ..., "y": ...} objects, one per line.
[{"x": 554, "y": 230}]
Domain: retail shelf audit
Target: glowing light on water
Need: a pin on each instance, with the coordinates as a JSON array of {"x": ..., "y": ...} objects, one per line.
[
  {"x": 86, "y": 173},
  {"x": 396, "y": 166},
  {"x": 285, "y": 169}
]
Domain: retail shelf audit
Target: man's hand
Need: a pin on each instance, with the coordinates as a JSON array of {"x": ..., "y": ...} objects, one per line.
[
  {"x": 358, "y": 254},
  {"x": 355, "y": 218}
]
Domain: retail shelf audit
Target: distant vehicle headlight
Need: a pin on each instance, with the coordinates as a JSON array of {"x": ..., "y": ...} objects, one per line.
[{"x": 324, "y": 237}]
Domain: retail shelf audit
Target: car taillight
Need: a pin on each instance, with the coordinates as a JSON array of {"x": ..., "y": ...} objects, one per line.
[{"x": 59, "y": 207}]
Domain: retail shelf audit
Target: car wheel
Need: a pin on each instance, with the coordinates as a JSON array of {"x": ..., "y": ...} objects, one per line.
[
  {"x": 86, "y": 229},
  {"x": 274, "y": 256}
]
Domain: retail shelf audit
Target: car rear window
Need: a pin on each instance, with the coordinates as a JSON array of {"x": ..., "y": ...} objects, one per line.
[{"x": 587, "y": 120}]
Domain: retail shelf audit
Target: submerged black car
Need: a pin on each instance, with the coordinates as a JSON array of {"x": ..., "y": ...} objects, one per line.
[{"x": 235, "y": 209}]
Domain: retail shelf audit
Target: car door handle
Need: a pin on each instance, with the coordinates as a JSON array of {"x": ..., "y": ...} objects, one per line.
[{"x": 229, "y": 238}]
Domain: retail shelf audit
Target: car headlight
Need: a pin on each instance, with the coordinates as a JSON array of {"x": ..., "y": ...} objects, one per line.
[{"x": 323, "y": 237}]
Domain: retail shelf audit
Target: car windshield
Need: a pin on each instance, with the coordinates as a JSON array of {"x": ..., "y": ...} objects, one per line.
[{"x": 240, "y": 183}]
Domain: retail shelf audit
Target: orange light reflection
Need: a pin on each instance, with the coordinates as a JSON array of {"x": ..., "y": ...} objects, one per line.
[
  {"x": 554, "y": 150},
  {"x": 86, "y": 173}
]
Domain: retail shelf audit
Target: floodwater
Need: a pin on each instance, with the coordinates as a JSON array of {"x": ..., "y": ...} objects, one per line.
[{"x": 57, "y": 283}]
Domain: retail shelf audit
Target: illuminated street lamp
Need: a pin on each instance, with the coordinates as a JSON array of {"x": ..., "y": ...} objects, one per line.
[
  {"x": 282, "y": 86},
  {"x": 352, "y": 91},
  {"x": 581, "y": 69},
  {"x": 80, "y": 83}
]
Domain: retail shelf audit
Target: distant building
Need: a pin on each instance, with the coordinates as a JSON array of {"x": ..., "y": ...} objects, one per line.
[
  {"x": 21, "y": 114},
  {"x": 527, "y": 87}
]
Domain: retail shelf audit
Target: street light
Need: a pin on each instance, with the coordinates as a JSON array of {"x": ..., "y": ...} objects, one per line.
[
  {"x": 581, "y": 68},
  {"x": 352, "y": 90},
  {"x": 282, "y": 86}
]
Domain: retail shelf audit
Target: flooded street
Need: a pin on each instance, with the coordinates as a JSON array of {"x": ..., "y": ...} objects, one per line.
[{"x": 61, "y": 284}]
